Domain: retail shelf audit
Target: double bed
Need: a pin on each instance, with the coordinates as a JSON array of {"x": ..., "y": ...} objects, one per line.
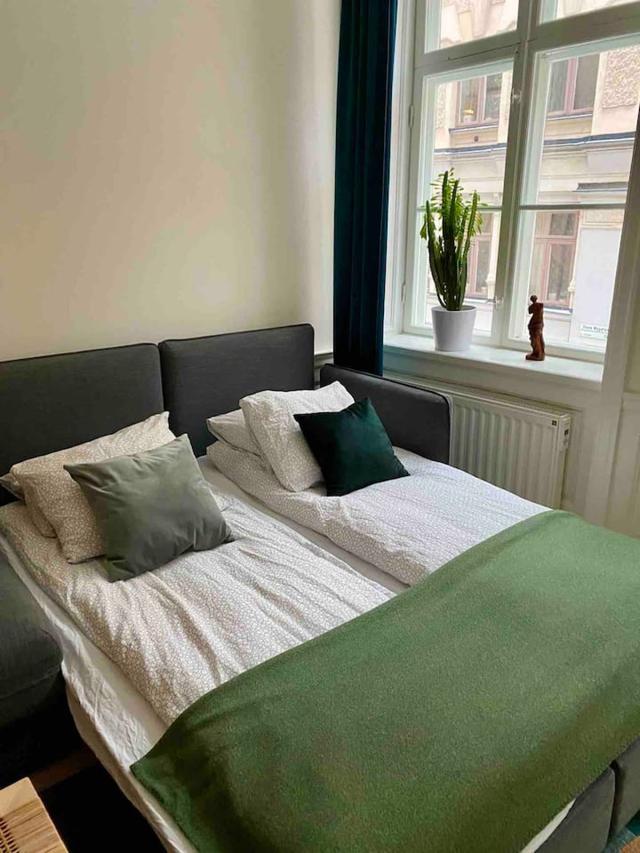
[{"x": 53, "y": 403}]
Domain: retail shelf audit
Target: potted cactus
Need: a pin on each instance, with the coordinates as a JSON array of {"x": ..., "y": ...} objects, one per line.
[{"x": 448, "y": 241}]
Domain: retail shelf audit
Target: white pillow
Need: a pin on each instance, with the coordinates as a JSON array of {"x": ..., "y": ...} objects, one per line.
[
  {"x": 269, "y": 416},
  {"x": 233, "y": 430},
  {"x": 50, "y": 488}
]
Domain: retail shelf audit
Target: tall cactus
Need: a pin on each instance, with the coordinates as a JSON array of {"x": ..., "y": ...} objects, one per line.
[{"x": 449, "y": 244}]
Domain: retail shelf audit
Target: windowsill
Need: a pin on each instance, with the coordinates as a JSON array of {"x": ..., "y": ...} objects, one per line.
[{"x": 584, "y": 374}]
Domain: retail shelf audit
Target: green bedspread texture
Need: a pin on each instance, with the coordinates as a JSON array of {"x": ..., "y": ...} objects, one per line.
[{"x": 462, "y": 715}]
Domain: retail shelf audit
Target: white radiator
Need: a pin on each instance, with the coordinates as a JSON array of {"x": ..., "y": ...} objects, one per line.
[{"x": 519, "y": 446}]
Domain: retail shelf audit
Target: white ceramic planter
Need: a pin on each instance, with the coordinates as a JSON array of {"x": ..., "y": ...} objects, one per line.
[{"x": 453, "y": 330}]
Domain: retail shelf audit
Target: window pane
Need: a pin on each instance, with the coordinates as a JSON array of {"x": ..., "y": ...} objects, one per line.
[
  {"x": 482, "y": 261},
  {"x": 572, "y": 272},
  {"x": 472, "y": 118},
  {"x": 450, "y": 22},
  {"x": 589, "y": 128},
  {"x": 553, "y": 9},
  {"x": 476, "y": 153}
]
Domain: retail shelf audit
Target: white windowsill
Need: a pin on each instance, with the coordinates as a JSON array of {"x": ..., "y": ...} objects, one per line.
[{"x": 585, "y": 374}]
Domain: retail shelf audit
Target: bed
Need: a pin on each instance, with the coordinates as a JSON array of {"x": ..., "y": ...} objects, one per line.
[{"x": 194, "y": 380}]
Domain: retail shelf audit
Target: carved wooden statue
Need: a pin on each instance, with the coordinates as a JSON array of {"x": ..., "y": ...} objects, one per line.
[{"x": 536, "y": 325}]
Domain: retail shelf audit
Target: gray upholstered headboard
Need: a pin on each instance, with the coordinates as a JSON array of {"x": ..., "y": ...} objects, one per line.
[
  {"x": 203, "y": 377},
  {"x": 415, "y": 418},
  {"x": 52, "y": 402},
  {"x": 56, "y": 401}
]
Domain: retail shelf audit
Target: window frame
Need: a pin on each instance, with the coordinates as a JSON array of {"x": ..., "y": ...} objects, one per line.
[{"x": 519, "y": 48}]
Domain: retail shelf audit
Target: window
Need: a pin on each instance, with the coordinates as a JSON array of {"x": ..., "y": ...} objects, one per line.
[
  {"x": 542, "y": 123},
  {"x": 479, "y": 100},
  {"x": 553, "y": 258},
  {"x": 572, "y": 87},
  {"x": 476, "y": 151}
]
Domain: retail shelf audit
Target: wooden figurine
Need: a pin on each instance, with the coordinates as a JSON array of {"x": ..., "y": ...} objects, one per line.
[{"x": 536, "y": 325}]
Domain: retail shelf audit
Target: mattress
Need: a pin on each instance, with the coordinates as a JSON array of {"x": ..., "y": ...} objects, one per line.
[{"x": 115, "y": 719}]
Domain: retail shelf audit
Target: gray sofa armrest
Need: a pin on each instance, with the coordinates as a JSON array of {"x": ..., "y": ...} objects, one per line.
[
  {"x": 30, "y": 657},
  {"x": 415, "y": 418}
]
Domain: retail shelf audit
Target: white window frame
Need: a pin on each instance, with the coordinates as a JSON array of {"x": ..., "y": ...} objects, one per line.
[{"x": 522, "y": 49}]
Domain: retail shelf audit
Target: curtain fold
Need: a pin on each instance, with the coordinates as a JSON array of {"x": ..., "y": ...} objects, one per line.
[{"x": 363, "y": 133}]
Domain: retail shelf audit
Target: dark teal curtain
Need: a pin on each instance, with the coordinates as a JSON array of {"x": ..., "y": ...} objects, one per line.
[{"x": 365, "y": 76}]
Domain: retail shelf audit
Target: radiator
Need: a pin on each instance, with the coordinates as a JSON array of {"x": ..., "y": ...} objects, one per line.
[{"x": 517, "y": 446}]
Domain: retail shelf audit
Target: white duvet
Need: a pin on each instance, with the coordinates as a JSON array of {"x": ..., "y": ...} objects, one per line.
[
  {"x": 205, "y": 617},
  {"x": 407, "y": 527}
]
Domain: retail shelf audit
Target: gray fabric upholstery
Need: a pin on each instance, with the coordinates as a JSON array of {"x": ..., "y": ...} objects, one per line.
[
  {"x": 415, "y": 418},
  {"x": 627, "y": 799},
  {"x": 57, "y": 401},
  {"x": 29, "y": 655},
  {"x": 203, "y": 377},
  {"x": 586, "y": 828},
  {"x": 36, "y": 727}
]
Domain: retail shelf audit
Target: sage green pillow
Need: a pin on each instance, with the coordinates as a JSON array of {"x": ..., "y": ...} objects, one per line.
[
  {"x": 151, "y": 507},
  {"x": 351, "y": 447}
]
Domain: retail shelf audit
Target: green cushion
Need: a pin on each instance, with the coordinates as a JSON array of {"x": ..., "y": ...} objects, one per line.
[
  {"x": 352, "y": 447},
  {"x": 151, "y": 507}
]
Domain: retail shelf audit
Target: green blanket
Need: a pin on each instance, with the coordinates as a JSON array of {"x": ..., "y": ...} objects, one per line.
[{"x": 461, "y": 715}]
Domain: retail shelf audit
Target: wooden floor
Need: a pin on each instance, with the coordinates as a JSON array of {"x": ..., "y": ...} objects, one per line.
[{"x": 92, "y": 815}]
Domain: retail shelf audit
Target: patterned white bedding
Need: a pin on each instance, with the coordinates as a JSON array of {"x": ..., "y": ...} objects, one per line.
[
  {"x": 113, "y": 711},
  {"x": 205, "y": 617},
  {"x": 407, "y": 527}
]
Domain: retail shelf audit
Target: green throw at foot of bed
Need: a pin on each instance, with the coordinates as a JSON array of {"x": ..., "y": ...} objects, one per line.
[{"x": 461, "y": 715}]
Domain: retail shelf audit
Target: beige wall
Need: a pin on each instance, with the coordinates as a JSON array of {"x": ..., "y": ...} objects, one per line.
[{"x": 166, "y": 169}]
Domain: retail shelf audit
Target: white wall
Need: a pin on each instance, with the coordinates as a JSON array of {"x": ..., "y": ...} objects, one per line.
[{"x": 166, "y": 169}]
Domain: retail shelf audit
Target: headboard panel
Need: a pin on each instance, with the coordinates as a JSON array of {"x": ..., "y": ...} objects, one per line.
[
  {"x": 52, "y": 402},
  {"x": 203, "y": 377},
  {"x": 415, "y": 418}
]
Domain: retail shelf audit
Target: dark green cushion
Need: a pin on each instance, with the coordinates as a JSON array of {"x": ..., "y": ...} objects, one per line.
[
  {"x": 151, "y": 507},
  {"x": 351, "y": 447}
]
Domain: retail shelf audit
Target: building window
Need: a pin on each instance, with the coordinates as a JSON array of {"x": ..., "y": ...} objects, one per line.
[
  {"x": 479, "y": 100},
  {"x": 544, "y": 129},
  {"x": 572, "y": 85},
  {"x": 553, "y": 258}
]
